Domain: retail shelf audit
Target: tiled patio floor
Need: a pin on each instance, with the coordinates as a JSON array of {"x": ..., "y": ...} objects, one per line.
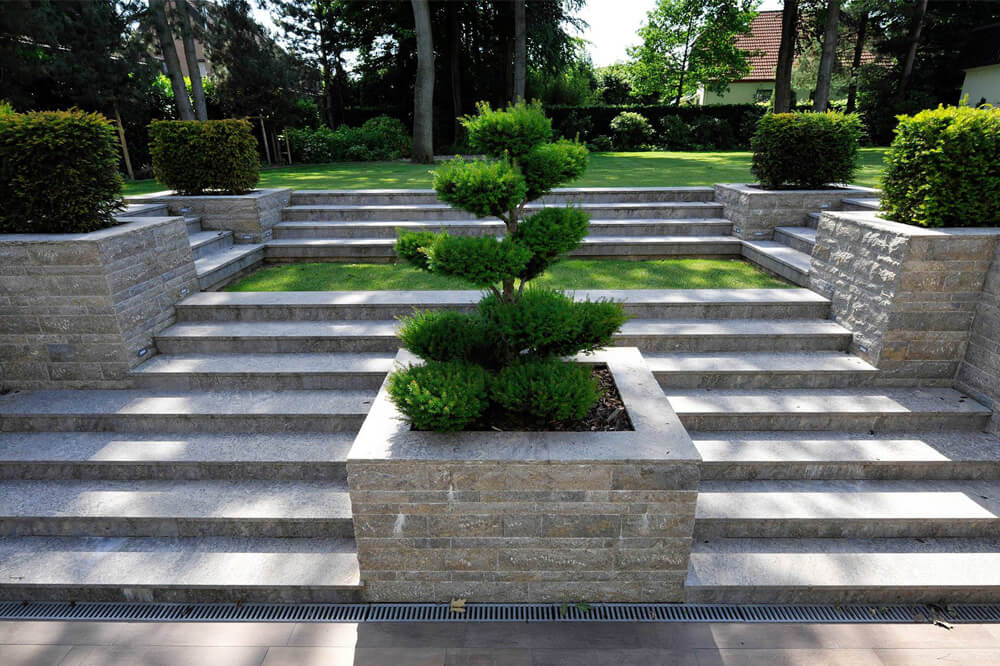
[{"x": 120, "y": 644}]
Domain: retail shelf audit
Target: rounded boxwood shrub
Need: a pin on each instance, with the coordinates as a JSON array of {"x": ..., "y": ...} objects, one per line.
[
  {"x": 805, "y": 150},
  {"x": 58, "y": 172},
  {"x": 631, "y": 130},
  {"x": 440, "y": 396},
  {"x": 195, "y": 157},
  {"x": 943, "y": 169},
  {"x": 547, "y": 389}
]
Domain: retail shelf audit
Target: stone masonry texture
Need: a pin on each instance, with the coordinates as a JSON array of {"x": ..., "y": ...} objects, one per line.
[
  {"x": 907, "y": 293},
  {"x": 76, "y": 309},
  {"x": 979, "y": 373},
  {"x": 249, "y": 216},
  {"x": 755, "y": 212}
]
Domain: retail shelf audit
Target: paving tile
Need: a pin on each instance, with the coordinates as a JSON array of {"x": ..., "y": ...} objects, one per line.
[
  {"x": 611, "y": 657},
  {"x": 207, "y": 634},
  {"x": 937, "y": 657},
  {"x": 59, "y": 633},
  {"x": 165, "y": 656},
  {"x": 344, "y": 656},
  {"x": 488, "y": 657},
  {"x": 32, "y": 655},
  {"x": 563, "y": 636},
  {"x": 794, "y": 657}
]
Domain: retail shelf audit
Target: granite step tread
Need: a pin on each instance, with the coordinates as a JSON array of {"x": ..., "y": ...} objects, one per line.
[
  {"x": 216, "y": 260},
  {"x": 264, "y": 363},
  {"x": 403, "y": 208},
  {"x": 847, "y": 455},
  {"x": 863, "y": 203},
  {"x": 781, "y": 253},
  {"x": 807, "y": 234},
  {"x": 602, "y": 239},
  {"x": 436, "y": 224},
  {"x": 757, "y": 362},
  {"x": 706, "y": 189},
  {"x": 844, "y": 570},
  {"x": 179, "y": 569},
  {"x": 202, "y": 238}
]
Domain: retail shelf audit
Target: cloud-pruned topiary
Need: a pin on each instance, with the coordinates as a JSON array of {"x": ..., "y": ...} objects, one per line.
[{"x": 518, "y": 334}]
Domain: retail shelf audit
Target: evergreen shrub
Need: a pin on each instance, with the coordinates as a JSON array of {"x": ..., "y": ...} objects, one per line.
[
  {"x": 806, "y": 150},
  {"x": 196, "y": 157}
]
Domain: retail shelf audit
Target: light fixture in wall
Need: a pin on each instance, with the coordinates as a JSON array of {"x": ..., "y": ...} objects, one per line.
[
  {"x": 143, "y": 352},
  {"x": 184, "y": 291}
]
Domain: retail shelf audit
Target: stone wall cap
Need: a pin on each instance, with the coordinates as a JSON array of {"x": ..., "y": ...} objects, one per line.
[
  {"x": 133, "y": 224},
  {"x": 659, "y": 435},
  {"x": 757, "y": 189},
  {"x": 168, "y": 195},
  {"x": 872, "y": 220}
]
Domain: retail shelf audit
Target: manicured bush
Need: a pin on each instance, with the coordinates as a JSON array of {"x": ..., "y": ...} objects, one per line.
[
  {"x": 676, "y": 134},
  {"x": 943, "y": 169},
  {"x": 709, "y": 133},
  {"x": 379, "y": 138},
  {"x": 441, "y": 396},
  {"x": 806, "y": 150},
  {"x": 630, "y": 131},
  {"x": 195, "y": 157},
  {"x": 58, "y": 172},
  {"x": 513, "y": 325},
  {"x": 547, "y": 389}
]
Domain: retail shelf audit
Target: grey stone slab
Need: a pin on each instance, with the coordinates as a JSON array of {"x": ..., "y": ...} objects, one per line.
[
  {"x": 747, "y": 335},
  {"x": 217, "y": 268},
  {"x": 279, "y": 336},
  {"x": 761, "y": 366},
  {"x": 781, "y": 253}
]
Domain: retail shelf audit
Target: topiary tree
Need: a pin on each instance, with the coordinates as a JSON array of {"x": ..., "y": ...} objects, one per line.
[{"x": 507, "y": 354}]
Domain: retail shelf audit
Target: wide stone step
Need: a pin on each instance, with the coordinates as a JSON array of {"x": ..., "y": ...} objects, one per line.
[
  {"x": 382, "y": 305},
  {"x": 175, "y": 508},
  {"x": 283, "y": 371},
  {"x": 844, "y": 571},
  {"x": 847, "y": 455},
  {"x": 144, "y": 210},
  {"x": 725, "y": 335},
  {"x": 876, "y": 410},
  {"x": 218, "y": 269},
  {"x": 812, "y": 220},
  {"x": 194, "y": 569},
  {"x": 848, "y": 509},
  {"x": 442, "y": 211},
  {"x": 860, "y": 203},
  {"x": 471, "y": 227},
  {"x": 802, "y": 239},
  {"x": 593, "y": 247},
  {"x": 562, "y": 195},
  {"x": 189, "y": 456},
  {"x": 184, "y": 411},
  {"x": 193, "y": 223},
  {"x": 205, "y": 243},
  {"x": 779, "y": 259},
  {"x": 759, "y": 369}
]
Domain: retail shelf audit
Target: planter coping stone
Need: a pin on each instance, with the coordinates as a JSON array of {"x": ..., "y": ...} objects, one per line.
[{"x": 873, "y": 220}]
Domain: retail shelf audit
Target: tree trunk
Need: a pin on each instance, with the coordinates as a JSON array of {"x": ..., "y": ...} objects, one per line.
[
  {"x": 822, "y": 98},
  {"x": 423, "y": 92},
  {"x": 859, "y": 50},
  {"x": 121, "y": 138},
  {"x": 911, "y": 51},
  {"x": 520, "y": 50},
  {"x": 786, "y": 57},
  {"x": 191, "y": 57},
  {"x": 159, "y": 15},
  {"x": 684, "y": 61},
  {"x": 456, "y": 70}
]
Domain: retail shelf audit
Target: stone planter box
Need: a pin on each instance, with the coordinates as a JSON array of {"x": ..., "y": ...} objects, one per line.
[
  {"x": 80, "y": 310},
  {"x": 755, "y": 212},
  {"x": 908, "y": 294},
  {"x": 249, "y": 216},
  {"x": 527, "y": 516}
]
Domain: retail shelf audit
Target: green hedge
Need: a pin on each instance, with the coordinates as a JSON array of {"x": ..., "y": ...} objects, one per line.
[
  {"x": 379, "y": 138},
  {"x": 193, "y": 157},
  {"x": 943, "y": 169},
  {"x": 806, "y": 150},
  {"x": 58, "y": 172}
]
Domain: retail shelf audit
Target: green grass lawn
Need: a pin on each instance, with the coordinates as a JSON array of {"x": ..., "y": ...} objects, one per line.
[
  {"x": 606, "y": 169},
  {"x": 570, "y": 274}
]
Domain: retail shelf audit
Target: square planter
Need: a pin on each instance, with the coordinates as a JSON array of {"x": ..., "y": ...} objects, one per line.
[
  {"x": 755, "y": 212},
  {"x": 527, "y": 516},
  {"x": 249, "y": 216}
]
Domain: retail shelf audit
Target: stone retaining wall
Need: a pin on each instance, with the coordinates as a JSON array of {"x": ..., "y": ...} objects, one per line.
[
  {"x": 979, "y": 374},
  {"x": 249, "y": 216},
  {"x": 755, "y": 212},
  {"x": 907, "y": 293},
  {"x": 530, "y": 516},
  {"x": 77, "y": 309}
]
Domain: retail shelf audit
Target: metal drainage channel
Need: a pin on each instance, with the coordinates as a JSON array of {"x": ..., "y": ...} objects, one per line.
[{"x": 487, "y": 612}]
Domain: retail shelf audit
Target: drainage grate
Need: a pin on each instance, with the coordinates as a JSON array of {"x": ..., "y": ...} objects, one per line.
[{"x": 759, "y": 613}]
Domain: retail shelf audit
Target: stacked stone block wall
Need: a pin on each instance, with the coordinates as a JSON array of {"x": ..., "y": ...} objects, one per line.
[
  {"x": 979, "y": 374},
  {"x": 249, "y": 216},
  {"x": 907, "y": 293},
  {"x": 77, "y": 309}
]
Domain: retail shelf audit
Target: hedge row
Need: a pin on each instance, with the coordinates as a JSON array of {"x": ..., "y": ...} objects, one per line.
[
  {"x": 379, "y": 138},
  {"x": 194, "y": 157}
]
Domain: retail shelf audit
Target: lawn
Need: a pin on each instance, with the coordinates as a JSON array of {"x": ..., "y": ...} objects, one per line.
[
  {"x": 570, "y": 274},
  {"x": 606, "y": 169}
]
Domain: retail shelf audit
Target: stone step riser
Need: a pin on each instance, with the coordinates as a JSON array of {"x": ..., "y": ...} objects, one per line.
[
  {"x": 775, "y": 267},
  {"x": 223, "y": 242},
  {"x": 866, "y": 595},
  {"x": 875, "y": 422},
  {"x": 654, "y": 211},
  {"x": 316, "y": 470},
  {"x": 193, "y": 224},
  {"x": 181, "y": 594},
  {"x": 646, "y": 343},
  {"x": 264, "y": 381},
  {"x": 811, "y": 220},
  {"x": 888, "y": 470},
  {"x": 305, "y": 198},
  {"x": 114, "y": 526},
  {"x": 793, "y": 242},
  {"x": 183, "y": 423},
  {"x": 375, "y": 312},
  {"x": 841, "y": 527},
  {"x": 638, "y": 228},
  {"x": 763, "y": 379}
]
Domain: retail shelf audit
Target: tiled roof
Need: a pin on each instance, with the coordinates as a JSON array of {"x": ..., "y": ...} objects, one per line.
[{"x": 762, "y": 42}]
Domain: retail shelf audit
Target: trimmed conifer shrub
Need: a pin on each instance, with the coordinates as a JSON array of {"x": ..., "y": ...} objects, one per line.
[
  {"x": 805, "y": 150},
  {"x": 198, "y": 157}
]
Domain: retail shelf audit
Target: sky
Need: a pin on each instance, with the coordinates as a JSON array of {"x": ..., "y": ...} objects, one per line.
[{"x": 612, "y": 26}]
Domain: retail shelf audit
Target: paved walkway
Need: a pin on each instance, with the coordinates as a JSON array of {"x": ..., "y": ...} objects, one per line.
[{"x": 120, "y": 644}]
